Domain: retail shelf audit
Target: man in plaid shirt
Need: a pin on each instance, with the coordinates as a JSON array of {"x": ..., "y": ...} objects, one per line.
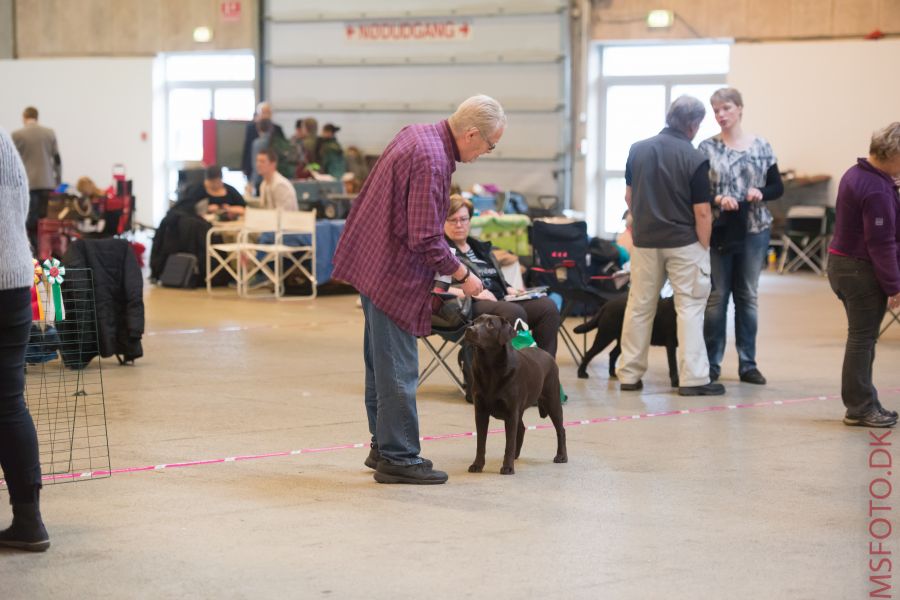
[{"x": 392, "y": 246}]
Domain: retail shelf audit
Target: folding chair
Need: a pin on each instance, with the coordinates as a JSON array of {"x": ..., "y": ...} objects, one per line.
[
  {"x": 295, "y": 245},
  {"x": 807, "y": 233},
  {"x": 257, "y": 260},
  {"x": 450, "y": 341},
  {"x": 225, "y": 255},
  {"x": 560, "y": 262},
  {"x": 449, "y": 329},
  {"x": 892, "y": 317}
]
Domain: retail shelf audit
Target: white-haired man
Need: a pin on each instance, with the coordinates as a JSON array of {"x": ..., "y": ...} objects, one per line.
[
  {"x": 263, "y": 112},
  {"x": 392, "y": 245},
  {"x": 668, "y": 194}
]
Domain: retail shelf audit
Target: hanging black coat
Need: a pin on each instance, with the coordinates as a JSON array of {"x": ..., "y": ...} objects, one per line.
[
  {"x": 182, "y": 230},
  {"x": 118, "y": 297}
]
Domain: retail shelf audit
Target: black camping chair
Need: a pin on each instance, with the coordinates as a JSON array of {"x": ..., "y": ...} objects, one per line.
[
  {"x": 560, "y": 262},
  {"x": 447, "y": 330}
]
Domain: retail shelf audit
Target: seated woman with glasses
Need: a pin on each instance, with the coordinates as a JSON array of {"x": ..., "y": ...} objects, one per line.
[{"x": 540, "y": 314}]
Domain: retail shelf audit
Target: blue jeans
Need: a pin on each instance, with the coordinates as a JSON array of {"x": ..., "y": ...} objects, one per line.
[
  {"x": 392, "y": 374},
  {"x": 735, "y": 274}
]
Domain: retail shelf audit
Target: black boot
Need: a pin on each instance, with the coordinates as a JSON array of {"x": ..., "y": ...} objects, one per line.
[{"x": 27, "y": 531}]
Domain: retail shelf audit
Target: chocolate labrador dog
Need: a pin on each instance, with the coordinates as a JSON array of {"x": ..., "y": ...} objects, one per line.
[
  {"x": 608, "y": 323},
  {"x": 505, "y": 382}
]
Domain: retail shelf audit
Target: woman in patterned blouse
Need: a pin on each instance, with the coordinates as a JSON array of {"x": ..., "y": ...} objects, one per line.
[{"x": 744, "y": 176}]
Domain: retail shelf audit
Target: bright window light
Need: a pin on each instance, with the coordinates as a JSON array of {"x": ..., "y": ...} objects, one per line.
[
  {"x": 668, "y": 59},
  {"x": 210, "y": 67}
]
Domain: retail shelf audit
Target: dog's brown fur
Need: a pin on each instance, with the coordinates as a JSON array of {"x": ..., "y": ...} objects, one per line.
[{"x": 505, "y": 382}]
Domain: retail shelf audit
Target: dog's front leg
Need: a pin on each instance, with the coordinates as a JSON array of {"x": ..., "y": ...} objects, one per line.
[
  {"x": 509, "y": 457},
  {"x": 482, "y": 418}
]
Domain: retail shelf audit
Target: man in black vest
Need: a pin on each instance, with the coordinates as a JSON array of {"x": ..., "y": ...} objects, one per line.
[{"x": 668, "y": 194}]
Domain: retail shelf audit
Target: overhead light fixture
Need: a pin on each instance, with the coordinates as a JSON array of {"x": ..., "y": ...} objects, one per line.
[
  {"x": 660, "y": 19},
  {"x": 202, "y": 34}
]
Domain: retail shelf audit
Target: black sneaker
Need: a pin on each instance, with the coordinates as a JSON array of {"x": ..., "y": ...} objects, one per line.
[
  {"x": 753, "y": 376},
  {"x": 374, "y": 456},
  {"x": 420, "y": 474},
  {"x": 713, "y": 375},
  {"x": 710, "y": 389},
  {"x": 632, "y": 387},
  {"x": 877, "y": 417}
]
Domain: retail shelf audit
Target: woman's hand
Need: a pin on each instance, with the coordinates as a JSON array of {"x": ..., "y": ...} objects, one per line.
[
  {"x": 893, "y": 301},
  {"x": 513, "y": 291},
  {"x": 486, "y": 295},
  {"x": 727, "y": 202},
  {"x": 754, "y": 195}
]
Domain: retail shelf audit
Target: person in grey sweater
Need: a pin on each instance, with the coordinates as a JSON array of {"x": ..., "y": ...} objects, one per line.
[{"x": 18, "y": 440}]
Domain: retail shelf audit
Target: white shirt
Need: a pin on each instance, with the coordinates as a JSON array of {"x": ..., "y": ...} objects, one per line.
[{"x": 278, "y": 193}]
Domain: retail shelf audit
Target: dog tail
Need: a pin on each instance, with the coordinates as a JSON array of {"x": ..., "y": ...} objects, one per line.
[{"x": 592, "y": 324}]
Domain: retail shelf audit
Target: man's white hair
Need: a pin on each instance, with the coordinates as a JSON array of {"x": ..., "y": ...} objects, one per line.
[{"x": 482, "y": 112}]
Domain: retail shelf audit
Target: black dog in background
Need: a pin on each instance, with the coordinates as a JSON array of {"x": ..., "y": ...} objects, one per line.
[
  {"x": 608, "y": 323},
  {"x": 505, "y": 382}
]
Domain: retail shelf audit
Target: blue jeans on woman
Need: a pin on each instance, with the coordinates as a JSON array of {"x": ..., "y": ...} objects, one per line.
[
  {"x": 391, "y": 356},
  {"x": 735, "y": 274}
]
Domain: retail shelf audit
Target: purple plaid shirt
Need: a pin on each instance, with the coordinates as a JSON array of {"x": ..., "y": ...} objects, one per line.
[{"x": 393, "y": 242}]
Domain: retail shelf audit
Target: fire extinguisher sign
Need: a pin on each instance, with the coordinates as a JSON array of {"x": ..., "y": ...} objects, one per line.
[
  {"x": 230, "y": 11},
  {"x": 438, "y": 30}
]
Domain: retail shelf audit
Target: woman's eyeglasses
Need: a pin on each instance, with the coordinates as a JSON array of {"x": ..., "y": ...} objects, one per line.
[{"x": 459, "y": 221}]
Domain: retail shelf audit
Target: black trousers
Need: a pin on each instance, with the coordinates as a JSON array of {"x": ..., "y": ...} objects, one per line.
[
  {"x": 540, "y": 314},
  {"x": 865, "y": 303},
  {"x": 18, "y": 440},
  {"x": 37, "y": 209}
]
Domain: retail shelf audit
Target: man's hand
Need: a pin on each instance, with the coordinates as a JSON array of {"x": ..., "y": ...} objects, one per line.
[
  {"x": 472, "y": 286},
  {"x": 729, "y": 202},
  {"x": 754, "y": 195},
  {"x": 486, "y": 295}
]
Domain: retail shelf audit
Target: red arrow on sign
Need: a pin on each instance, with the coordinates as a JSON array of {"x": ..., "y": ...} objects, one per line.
[
  {"x": 350, "y": 31},
  {"x": 464, "y": 29}
]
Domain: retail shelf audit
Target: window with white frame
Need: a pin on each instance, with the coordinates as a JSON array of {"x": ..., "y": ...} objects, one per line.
[
  {"x": 204, "y": 86},
  {"x": 637, "y": 84}
]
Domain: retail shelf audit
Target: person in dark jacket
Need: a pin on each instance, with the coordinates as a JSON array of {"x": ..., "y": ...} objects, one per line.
[
  {"x": 540, "y": 314},
  {"x": 118, "y": 296},
  {"x": 263, "y": 111},
  {"x": 182, "y": 230},
  {"x": 864, "y": 269}
]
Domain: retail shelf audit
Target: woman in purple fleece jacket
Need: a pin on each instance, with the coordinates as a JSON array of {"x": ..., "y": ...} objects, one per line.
[{"x": 864, "y": 269}]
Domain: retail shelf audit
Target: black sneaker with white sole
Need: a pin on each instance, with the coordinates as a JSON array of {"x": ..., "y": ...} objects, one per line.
[
  {"x": 374, "y": 456},
  {"x": 420, "y": 474},
  {"x": 877, "y": 417}
]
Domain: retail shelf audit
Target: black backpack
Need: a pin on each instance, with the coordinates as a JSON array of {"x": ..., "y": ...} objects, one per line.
[{"x": 180, "y": 271}]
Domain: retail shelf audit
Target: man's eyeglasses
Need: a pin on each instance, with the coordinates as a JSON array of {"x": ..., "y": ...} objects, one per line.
[
  {"x": 459, "y": 221},
  {"x": 487, "y": 141}
]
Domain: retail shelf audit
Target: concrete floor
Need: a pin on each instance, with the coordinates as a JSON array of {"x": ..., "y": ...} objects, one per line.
[{"x": 758, "y": 503}]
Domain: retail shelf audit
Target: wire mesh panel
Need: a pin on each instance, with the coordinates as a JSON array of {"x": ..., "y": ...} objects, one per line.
[{"x": 63, "y": 384}]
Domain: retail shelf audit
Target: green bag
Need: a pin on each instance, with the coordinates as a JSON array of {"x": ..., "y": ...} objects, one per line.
[{"x": 523, "y": 337}]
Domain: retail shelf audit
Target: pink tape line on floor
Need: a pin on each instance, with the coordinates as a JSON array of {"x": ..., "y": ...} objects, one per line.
[{"x": 446, "y": 436}]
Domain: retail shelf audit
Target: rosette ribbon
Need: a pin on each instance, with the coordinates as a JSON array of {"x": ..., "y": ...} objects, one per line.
[
  {"x": 37, "y": 305},
  {"x": 55, "y": 274}
]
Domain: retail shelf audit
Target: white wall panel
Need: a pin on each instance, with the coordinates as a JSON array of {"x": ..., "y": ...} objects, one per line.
[
  {"x": 313, "y": 69},
  {"x": 507, "y": 36},
  {"x": 817, "y": 102},
  {"x": 102, "y": 112}
]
